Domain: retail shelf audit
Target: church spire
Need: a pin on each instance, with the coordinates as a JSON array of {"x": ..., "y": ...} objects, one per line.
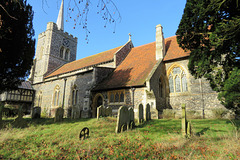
[{"x": 60, "y": 20}]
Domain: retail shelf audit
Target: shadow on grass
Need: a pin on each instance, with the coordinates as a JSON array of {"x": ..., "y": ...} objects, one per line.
[
  {"x": 161, "y": 126},
  {"x": 235, "y": 123},
  {"x": 202, "y": 132},
  {"x": 43, "y": 121}
]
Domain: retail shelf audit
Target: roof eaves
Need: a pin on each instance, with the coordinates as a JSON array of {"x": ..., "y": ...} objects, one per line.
[{"x": 80, "y": 69}]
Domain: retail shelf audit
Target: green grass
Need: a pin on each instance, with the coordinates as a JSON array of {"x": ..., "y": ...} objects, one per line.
[{"x": 156, "y": 139}]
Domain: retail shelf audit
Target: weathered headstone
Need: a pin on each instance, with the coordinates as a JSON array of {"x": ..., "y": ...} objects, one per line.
[
  {"x": 59, "y": 114},
  {"x": 184, "y": 120},
  {"x": 122, "y": 119},
  {"x": 108, "y": 111},
  {"x": 19, "y": 122},
  {"x": 140, "y": 113},
  {"x": 186, "y": 126},
  {"x": 131, "y": 118},
  {"x": 84, "y": 133},
  {"x": 100, "y": 111},
  {"x": 1, "y": 121},
  {"x": 36, "y": 112},
  {"x": 76, "y": 113},
  {"x": 148, "y": 113}
]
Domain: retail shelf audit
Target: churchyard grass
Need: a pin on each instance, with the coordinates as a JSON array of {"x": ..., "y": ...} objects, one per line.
[{"x": 156, "y": 139}]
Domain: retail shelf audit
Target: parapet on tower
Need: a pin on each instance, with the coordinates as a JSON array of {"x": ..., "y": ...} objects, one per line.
[{"x": 54, "y": 49}]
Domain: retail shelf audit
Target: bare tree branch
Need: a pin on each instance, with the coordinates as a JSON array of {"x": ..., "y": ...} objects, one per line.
[{"x": 8, "y": 13}]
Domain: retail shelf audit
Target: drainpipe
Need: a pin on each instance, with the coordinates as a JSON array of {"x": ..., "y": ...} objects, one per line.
[
  {"x": 201, "y": 90},
  {"x": 65, "y": 80},
  {"x": 133, "y": 89}
]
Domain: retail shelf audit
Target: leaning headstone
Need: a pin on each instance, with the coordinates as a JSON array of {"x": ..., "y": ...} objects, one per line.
[
  {"x": 1, "y": 121},
  {"x": 36, "y": 112},
  {"x": 59, "y": 114},
  {"x": 108, "y": 111},
  {"x": 131, "y": 118},
  {"x": 99, "y": 112},
  {"x": 148, "y": 113},
  {"x": 184, "y": 120},
  {"x": 186, "y": 126},
  {"x": 122, "y": 119},
  {"x": 19, "y": 122},
  {"x": 140, "y": 113}
]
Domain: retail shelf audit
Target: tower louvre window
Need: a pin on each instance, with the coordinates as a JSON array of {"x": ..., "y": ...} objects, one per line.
[{"x": 61, "y": 52}]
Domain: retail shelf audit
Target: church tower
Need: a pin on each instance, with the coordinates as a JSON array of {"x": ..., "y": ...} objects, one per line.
[{"x": 54, "y": 49}]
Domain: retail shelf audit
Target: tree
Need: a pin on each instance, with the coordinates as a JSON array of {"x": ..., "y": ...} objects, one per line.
[
  {"x": 210, "y": 29},
  {"x": 17, "y": 45}
]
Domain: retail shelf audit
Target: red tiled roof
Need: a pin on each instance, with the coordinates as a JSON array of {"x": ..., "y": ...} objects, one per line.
[
  {"x": 136, "y": 67},
  {"x": 85, "y": 62},
  {"x": 134, "y": 70},
  {"x": 173, "y": 51}
]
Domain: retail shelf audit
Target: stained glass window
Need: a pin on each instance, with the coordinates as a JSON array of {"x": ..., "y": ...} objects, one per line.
[
  {"x": 122, "y": 97},
  {"x": 179, "y": 82},
  {"x": 117, "y": 97},
  {"x": 111, "y": 97},
  {"x": 176, "y": 70},
  {"x": 171, "y": 84},
  {"x": 184, "y": 83}
]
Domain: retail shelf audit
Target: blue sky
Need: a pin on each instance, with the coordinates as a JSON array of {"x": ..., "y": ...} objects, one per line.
[{"x": 139, "y": 17}]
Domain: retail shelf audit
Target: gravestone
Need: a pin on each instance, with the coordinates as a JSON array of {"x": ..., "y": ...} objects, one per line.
[
  {"x": 108, "y": 111},
  {"x": 186, "y": 126},
  {"x": 1, "y": 121},
  {"x": 36, "y": 112},
  {"x": 184, "y": 120},
  {"x": 19, "y": 122},
  {"x": 59, "y": 114},
  {"x": 100, "y": 111},
  {"x": 123, "y": 119},
  {"x": 131, "y": 118},
  {"x": 84, "y": 133},
  {"x": 148, "y": 113},
  {"x": 140, "y": 113}
]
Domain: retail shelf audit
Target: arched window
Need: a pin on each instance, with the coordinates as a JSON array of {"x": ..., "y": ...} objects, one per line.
[
  {"x": 177, "y": 80},
  {"x": 122, "y": 97},
  {"x": 56, "y": 96},
  {"x": 67, "y": 54},
  {"x": 61, "y": 52},
  {"x": 74, "y": 95}
]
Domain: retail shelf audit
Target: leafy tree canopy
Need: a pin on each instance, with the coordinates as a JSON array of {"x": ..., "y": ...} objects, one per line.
[
  {"x": 210, "y": 29},
  {"x": 17, "y": 45}
]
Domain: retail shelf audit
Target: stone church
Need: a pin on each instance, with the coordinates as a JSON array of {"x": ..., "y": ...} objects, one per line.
[{"x": 155, "y": 73}]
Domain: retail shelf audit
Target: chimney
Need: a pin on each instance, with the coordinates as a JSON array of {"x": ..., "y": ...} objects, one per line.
[{"x": 160, "y": 44}]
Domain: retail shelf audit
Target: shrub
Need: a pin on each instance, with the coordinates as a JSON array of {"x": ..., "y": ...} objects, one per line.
[
  {"x": 44, "y": 113},
  {"x": 219, "y": 113},
  {"x": 168, "y": 114}
]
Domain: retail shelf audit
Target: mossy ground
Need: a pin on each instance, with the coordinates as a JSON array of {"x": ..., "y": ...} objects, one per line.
[{"x": 156, "y": 139}]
